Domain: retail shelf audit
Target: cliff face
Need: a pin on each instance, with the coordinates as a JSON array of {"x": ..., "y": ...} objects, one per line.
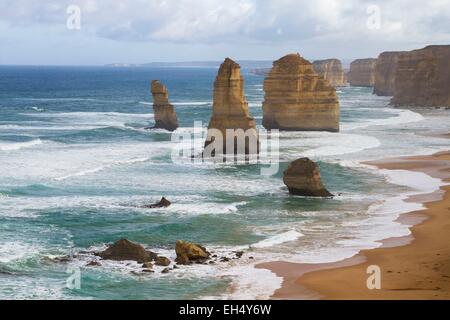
[
  {"x": 165, "y": 116},
  {"x": 331, "y": 70},
  {"x": 385, "y": 70},
  {"x": 230, "y": 108},
  {"x": 361, "y": 73},
  {"x": 298, "y": 99},
  {"x": 423, "y": 77}
]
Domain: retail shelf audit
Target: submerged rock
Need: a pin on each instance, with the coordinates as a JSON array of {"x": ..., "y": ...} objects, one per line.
[
  {"x": 165, "y": 116},
  {"x": 147, "y": 265},
  {"x": 362, "y": 72},
  {"x": 94, "y": 264},
  {"x": 423, "y": 78},
  {"x": 124, "y": 250},
  {"x": 163, "y": 203},
  {"x": 230, "y": 112},
  {"x": 298, "y": 99},
  {"x": 189, "y": 252},
  {"x": 302, "y": 177}
]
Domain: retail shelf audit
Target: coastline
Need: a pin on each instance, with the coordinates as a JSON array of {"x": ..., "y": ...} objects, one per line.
[{"x": 412, "y": 267}]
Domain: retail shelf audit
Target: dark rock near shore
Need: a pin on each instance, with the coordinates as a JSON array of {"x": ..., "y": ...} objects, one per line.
[
  {"x": 94, "y": 264},
  {"x": 302, "y": 177},
  {"x": 124, "y": 250},
  {"x": 162, "y": 261},
  {"x": 163, "y": 203},
  {"x": 190, "y": 252},
  {"x": 147, "y": 265}
]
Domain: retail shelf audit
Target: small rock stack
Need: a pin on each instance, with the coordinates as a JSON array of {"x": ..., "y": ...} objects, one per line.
[
  {"x": 165, "y": 116},
  {"x": 302, "y": 178}
]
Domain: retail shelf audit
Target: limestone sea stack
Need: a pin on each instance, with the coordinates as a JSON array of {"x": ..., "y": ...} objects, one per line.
[
  {"x": 332, "y": 71},
  {"x": 362, "y": 72},
  {"x": 385, "y": 70},
  {"x": 423, "y": 78},
  {"x": 298, "y": 99},
  {"x": 165, "y": 116},
  {"x": 302, "y": 177},
  {"x": 230, "y": 110}
]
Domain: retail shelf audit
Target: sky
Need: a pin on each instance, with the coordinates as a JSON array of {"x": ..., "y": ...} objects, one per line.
[{"x": 98, "y": 32}]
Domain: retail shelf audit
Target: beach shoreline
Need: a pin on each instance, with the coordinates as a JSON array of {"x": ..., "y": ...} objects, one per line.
[{"x": 412, "y": 267}]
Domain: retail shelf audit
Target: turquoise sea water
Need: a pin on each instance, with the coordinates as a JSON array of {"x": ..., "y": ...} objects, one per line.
[{"x": 76, "y": 163}]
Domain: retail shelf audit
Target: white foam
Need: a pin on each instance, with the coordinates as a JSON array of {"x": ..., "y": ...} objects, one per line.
[
  {"x": 249, "y": 283},
  {"x": 400, "y": 117},
  {"x": 13, "y": 146},
  {"x": 98, "y": 169},
  {"x": 323, "y": 144},
  {"x": 11, "y": 251},
  {"x": 288, "y": 236}
]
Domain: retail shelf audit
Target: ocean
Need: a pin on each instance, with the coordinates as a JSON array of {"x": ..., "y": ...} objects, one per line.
[{"x": 77, "y": 163}]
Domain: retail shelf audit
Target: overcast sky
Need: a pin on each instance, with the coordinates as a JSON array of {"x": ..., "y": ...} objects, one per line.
[{"x": 140, "y": 31}]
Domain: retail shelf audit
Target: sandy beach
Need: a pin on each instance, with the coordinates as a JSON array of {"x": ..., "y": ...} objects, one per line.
[{"x": 413, "y": 267}]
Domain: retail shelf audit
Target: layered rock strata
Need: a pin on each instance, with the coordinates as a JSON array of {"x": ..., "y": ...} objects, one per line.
[
  {"x": 165, "y": 116},
  {"x": 385, "y": 70},
  {"x": 422, "y": 78},
  {"x": 332, "y": 71},
  {"x": 190, "y": 252},
  {"x": 302, "y": 178},
  {"x": 362, "y": 73},
  {"x": 231, "y": 115},
  {"x": 298, "y": 99}
]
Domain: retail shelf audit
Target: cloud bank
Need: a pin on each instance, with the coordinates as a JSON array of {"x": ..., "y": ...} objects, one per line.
[{"x": 325, "y": 24}]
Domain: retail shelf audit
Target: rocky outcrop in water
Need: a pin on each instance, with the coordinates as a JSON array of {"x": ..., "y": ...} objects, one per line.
[
  {"x": 332, "y": 71},
  {"x": 162, "y": 261},
  {"x": 189, "y": 252},
  {"x": 298, "y": 99},
  {"x": 163, "y": 203},
  {"x": 165, "y": 116},
  {"x": 124, "y": 250},
  {"x": 362, "y": 72},
  {"x": 385, "y": 70},
  {"x": 423, "y": 78},
  {"x": 230, "y": 111},
  {"x": 302, "y": 178}
]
